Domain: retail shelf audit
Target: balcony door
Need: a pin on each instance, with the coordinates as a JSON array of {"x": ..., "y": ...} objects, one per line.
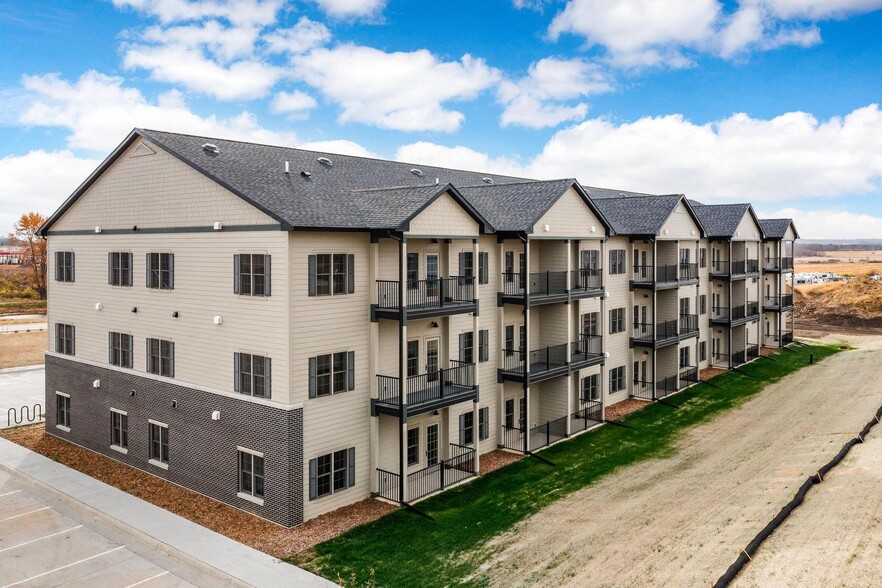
[
  {"x": 432, "y": 274},
  {"x": 684, "y": 306},
  {"x": 433, "y": 358},
  {"x": 432, "y": 430},
  {"x": 413, "y": 270}
]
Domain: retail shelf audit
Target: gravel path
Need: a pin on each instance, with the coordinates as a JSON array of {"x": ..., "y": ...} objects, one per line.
[{"x": 682, "y": 520}]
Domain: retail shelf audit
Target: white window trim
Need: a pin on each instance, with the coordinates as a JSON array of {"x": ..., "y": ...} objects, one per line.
[
  {"x": 250, "y": 498},
  {"x": 65, "y": 394},
  {"x": 251, "y": 451},
  {"x": 157, "y": 463},
  {"x": 122, "y": 412},
  {"x": 122, "y": 450},
  {"x": 161, "y": 424},
  {"x": 63, "y": 428},
  {"x": 57, "y": 426}
]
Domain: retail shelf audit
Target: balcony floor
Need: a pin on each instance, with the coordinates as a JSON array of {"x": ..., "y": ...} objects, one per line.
[{"x": 420, "y": 401}]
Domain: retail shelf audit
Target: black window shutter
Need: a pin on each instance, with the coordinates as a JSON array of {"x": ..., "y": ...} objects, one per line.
[
  {"x": 462, "y": 346},
  {"x": 109, "y": 347},
  {"x": 58, "y": 266},
  {"x": 313, "y": 486},
  {"x": 237, "y": 277},
  {"x": 73, "y": 266},
  {"x": 110, "y": 268},
  {"x": 485, "y": 423},
  {"x": 131, "y": 348},
  {"x": 171, "y": 355},
  {"x": 462, "y": 429},
  {"x": 351, "y": 476},
  {"x": 149, "y": 279},
  {"x": 73, "y": 340},
  {"x": 149, "y": 359},
  {"x": 350, "y": 370},
  {"x": 484, "y": 345},
  {"x": 267, "y": 270},
  {"x": 312, "y": 382},
  {"x": 171, "y": 274},
  {"x": 462, "y": 263},
  {"x": 312, "y": 268},
  {"x": 236, "y": 371},
  {"x": 129, "y": 268},
  {"x": 485, "y": 268},
  {"x": 268, "y": 377},
  {"x": 350, "y": 273}
]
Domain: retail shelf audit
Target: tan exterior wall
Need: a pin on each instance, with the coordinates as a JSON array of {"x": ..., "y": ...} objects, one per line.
[
  {"x": 569, "y": 217},
  {"x": 747, "y": 229},
  {"x": 444, "y": 216},
  {"x": 680, "y": 225}
]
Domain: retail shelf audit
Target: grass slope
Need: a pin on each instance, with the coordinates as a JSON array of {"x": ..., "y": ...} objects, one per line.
[{"x": 404, "y": 549}]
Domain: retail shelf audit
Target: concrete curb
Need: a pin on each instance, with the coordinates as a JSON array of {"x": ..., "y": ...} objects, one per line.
[
  {"x": 23, "y": 368},
  {"x": 203, "y": 545}
]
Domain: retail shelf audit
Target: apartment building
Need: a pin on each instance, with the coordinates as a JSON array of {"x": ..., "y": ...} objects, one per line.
[
  {"x": 779, "y": 237},
  {"x": 290, "y": 332}
]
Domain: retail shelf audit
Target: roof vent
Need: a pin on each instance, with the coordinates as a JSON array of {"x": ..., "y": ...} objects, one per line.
[
  {"x": 325, "y": 161},
  {"x": 305, "y": 174},
  {"x": 487, "y": 180},
  {"x": 417, "y": 172},
  {"x": 211, "y": 148}
]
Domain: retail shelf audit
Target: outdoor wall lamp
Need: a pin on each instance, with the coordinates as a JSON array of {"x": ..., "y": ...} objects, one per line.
[{"x": 134, "y": 309}]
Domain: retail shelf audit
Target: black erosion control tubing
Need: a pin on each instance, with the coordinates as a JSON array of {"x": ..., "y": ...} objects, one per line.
[{"x": 747, "y": 552}]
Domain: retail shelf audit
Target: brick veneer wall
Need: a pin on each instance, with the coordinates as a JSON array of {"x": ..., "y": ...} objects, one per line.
[{"x": 202, "y": 452}]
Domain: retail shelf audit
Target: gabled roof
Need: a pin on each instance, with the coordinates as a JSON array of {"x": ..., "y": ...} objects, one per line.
[
  {"x": 597, "y": 193},
  {"x": 517, "y": 207},
  {"x": 640, "y": 214},
  {"x": 774, "y": 228},
  {"x": 722, "y": 220},
  {"x": 394, "y": 208}
]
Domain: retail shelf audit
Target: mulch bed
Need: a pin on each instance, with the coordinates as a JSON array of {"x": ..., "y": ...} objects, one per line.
[
  {"x": 496, "y": 459},
  {"x": 708, "y": 373},
  {"x": 621, "y": 409},
  {"x": 235, "y": 524}
]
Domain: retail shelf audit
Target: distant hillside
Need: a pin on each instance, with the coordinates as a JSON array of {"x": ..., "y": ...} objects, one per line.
[{"x": 857, "y": 299}]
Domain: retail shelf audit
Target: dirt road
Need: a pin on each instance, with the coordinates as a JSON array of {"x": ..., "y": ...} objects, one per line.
[{"x": 682, "y": 520}]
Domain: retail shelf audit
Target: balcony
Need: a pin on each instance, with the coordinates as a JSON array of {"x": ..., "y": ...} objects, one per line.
[
  {"x": 752, "y": 352},
  {"x": 426, "y": 298},
  {"x": 739, "y": 358},
  {"x": 434, "y": 478},
  {"x": 778, "y": 264},
  {"x": 666, "y": 386},
  {"x": 736, "y": 270},
  {"x": 778, "y": 303},
  {"x": 544, "y": 364},
  {"x": 735, "y": 315},
  {"x": 688, "y": 273},
  {"x": 642, "y": 390},
  {"x": 665, "y": 333},
  {"x": 587, "y": 351},
  {"x": 661, "y": 277},
  {"x": 549, "y": 287},
  {"x": 786, "y": 339},
  {"x": 589, "y": 414},
  {"x": 426, "y": 392},
  {"x": 688, "y": 376}
]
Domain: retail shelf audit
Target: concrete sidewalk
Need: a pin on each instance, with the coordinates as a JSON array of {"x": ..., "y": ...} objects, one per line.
[{"x": 207, "y": 547}]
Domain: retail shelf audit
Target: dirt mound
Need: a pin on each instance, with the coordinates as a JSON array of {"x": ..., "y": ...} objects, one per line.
[{"x": 860, "y": 297}]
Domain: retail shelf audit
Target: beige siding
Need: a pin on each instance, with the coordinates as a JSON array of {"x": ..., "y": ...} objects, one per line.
[
  {"x": 680, "y": 225},
  {"x": 618, "y": 296},
  {"x": 156, "y": 191},
  {"x": 446, "y": 217},
  {"x": 203, "y": 289},
  {"x": 747, "y": 229},
  {"x": 789, "y": 235},
  {"x": 569, "y": 217}
]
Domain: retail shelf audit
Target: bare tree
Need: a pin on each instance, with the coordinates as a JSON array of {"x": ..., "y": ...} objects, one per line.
[{"x": 24, "y": 235}]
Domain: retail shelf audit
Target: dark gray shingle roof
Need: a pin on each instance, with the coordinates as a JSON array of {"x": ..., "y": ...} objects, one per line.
[
  {"x": 515, "y": 206},
  {"x": 721, "y": 220},
  {"x": 774, "y": 228},
  {"x": 638, "y": 215},
  {"x": 599, "y": 193}
]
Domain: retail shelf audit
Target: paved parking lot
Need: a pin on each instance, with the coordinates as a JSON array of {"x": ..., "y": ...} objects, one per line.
[
  {"x": 47, "y": 541},
  {"x": 21, "y": 387}
]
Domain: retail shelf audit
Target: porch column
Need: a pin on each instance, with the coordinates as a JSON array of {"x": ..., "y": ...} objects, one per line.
[
  {"x": 654, "y": 315},
  {"x": 569, "y": 310},
  {"x": 476, "y": 343},
  {"x": 730, "y": 303},
  {"x": 402, "y": 369},
  {"x": 374, "y": 359},
  {"x": 602, "y": 320},
  {"x": 526, "y": 354}
]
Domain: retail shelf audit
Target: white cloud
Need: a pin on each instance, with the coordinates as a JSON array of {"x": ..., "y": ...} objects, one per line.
[
  {"x": 238, "y": 12},
  {"x": 39, "y": 181},
  {"x": 351, "y": 8},
  {"x": 295, "y": 102},
  {"x": 457, "y": 157},
  {"x": 830, "y": 223},
  {"x": 341, "y": 146},
  {"x": 739, "y": 158},
  {"x": 819, "y": 9},
  {"x": 401, "y": 91},
  {"x": 224, "y": 42},
  {"x": 99, "y": 111},
  {"x": 537, "y": 100},
  {"x": 305, "y": 35}
]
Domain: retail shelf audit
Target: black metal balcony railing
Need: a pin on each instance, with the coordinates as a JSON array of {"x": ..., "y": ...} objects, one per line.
[
  {"x": 752, "y": 351},
  {"x": 428, "y": 387},
  {"x": 738, "y": 358},
  {"x": 657, "y": 332},
  {"x": 720, "y": 359},
  {"x": 752, "y": 266},
  {"x": 388, "y": 485},
  {"x": 720, "y": 313},
  {"x": 547, "y": 433},
  {"x": 688, "y": 324},
  {"x": 771, "y": 264},
  {"x": 786, "y": 263},
  {"x": 548, "y": 283},
  {"x": 643, "y": 273},
  {"x": 541, "y": 360},
  {"x": 688, "y": 375},
  {"x": 786, "y": 338},
  {"x": 720, "y": 267},
  {"x": 589, "y": 410},
  {"x": 587, "y": 279},
  {"x": 752, "y": 309},
  {"x": 738, "y": 312},
  {"x": 666, "y": 273},
  {"x": 688, "y": 271},
  {"x": 666, "y": 386},
  {"x": 513, "y": 438},
  {"x": 434, "y": 478},
  {"x": 588, "y": 347},
  {"x": 783, "y": 301},
  {"x": 642, "y": 390},
  {"x": 425, "y": 294},
  {"x": 737, "y": 268}
]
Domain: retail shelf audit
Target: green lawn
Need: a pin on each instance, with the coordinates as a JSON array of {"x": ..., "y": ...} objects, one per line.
[{"x": 404, "y": 549}]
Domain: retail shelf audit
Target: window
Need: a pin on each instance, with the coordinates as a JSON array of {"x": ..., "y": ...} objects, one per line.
[
  {"x": 590, "y": 324},
  {"x": 253, "y": 374},
  {"x": 509, "y": 267},
  {"x": 702, "y": 304},
  {"x": 65, "y": 336},
  {"x": 119, "y": 269},
  {"x": 251, "y": 476},
  {"x": 413, "y": 358},
  {"x": 64, "y": 266},
  {"x": 702, "y": 257},
  {"x": 483, "y": 268},
  {"x": 509, "y": 340},
  {"x": 413, "y": 269},
  {"x": 413, "y": 446},
  {"x": 158, "y": 443},
  {"x": 331, "y": 473},
  {"x": 467, "y": 347},
  {"x": 702, "y": 349},
  {"x": 523, "y": 338},
  {"x": 483, "y": 345},
  {"x": 331, "y": 274},
  {"x": 684, "y": 357},
  {"x": 120, "y": 350},
  {"x": 616, "y": 379},
  {"x": 617, "y": 261},
  {"x": 62, "y": 411},
  {"x": 523, "y": 416},
  {"x": 589, "y": 259},
  {"x": 466, "y": 264},
  {"x": 509, "y": 413},
  {"x": 616, "y": 321},
  {"x": 251, "y": 274},
  {"x": 331, "y": 373},
  {"x": 590, "y": 388},
  {"x": 161, "y": 271},
  {"x": 119, "y": 429},
  {"x": 467, "y": 428},
  {"x": 483, "y": 423},
  {"x": 161, "y": 357}
]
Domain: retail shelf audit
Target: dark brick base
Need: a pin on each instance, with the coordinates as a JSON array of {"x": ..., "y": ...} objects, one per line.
[{"x": 202, "y": 452}]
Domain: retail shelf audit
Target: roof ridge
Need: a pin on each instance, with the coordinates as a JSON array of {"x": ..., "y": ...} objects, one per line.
[
  {"x": 519, "y": 183},
  {"x": 432, "y": 185}
]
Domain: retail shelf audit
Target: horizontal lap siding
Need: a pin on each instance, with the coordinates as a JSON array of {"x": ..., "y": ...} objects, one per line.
[
  {"x": 444, "y": 216},
  {"x": 748, "y": 229},
  {"x": 618, "y": 296},
  {"x": 569, "y": 217},
  {"x": 680, "y": 225}
]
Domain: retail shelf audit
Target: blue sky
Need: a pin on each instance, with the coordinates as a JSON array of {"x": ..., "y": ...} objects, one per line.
[{"x": 768, "y": 101}]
